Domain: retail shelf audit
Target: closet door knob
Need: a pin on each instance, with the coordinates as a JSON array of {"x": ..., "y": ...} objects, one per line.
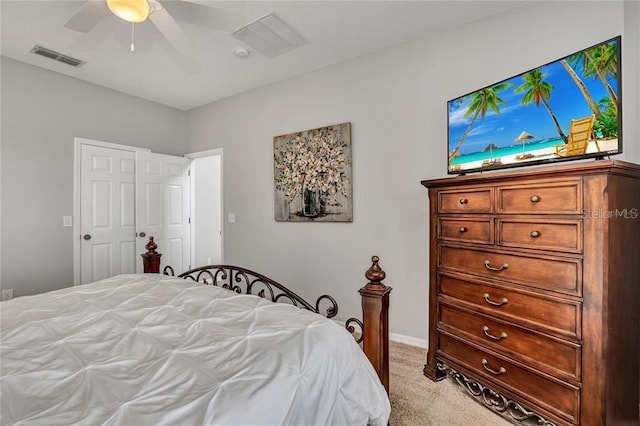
[
  {"x": 143, "y": 234},
  {"x": 87, "y": 237}
]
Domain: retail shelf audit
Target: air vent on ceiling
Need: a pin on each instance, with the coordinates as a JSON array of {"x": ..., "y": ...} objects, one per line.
[
  {"x": 270, "y": 36},
  {"x": 57, "y": 56}
]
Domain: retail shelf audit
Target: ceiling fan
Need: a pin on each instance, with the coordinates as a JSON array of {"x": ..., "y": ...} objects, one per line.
[{"x": 137, "y": 11}]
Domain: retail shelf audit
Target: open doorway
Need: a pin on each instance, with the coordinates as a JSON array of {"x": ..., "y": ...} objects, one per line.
[{"x": 206, "y": 207}]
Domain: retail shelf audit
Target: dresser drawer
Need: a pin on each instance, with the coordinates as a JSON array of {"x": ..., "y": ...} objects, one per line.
[
  {"x": 554, "y": 396},
  {"x": 550, "y": 234},
  {"x": 545, "y": 313},
  {"x": 549, "y": 354},
  {"x": 467, "y": 201},
  {"x": 468, "y": 229},
  {"x": 561, "y": 197},
  {"x": 562, "y": 275}
]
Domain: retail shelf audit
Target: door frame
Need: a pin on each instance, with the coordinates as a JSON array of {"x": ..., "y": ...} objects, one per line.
[
  {"x": 77, "y": 162},
  {"x": 200, "y": 154}
]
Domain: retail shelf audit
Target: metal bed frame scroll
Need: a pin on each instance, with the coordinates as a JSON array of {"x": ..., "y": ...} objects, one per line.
[{"x": 245, "y": 281}]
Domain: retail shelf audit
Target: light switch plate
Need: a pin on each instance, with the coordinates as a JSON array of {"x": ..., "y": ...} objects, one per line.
[{"x": 67, "y": 221}]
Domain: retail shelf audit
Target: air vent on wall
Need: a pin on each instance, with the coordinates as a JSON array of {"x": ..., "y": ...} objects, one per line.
[
  {"x": 57, "y": 56},
  {"x": 270, "y": 36}
]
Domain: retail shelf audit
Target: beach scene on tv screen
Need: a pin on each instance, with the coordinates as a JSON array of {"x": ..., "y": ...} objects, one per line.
[{"x": 565, "y": 109}]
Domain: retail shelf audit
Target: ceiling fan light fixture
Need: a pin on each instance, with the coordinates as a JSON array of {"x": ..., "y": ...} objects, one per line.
[{"x": 130, "y": 10}]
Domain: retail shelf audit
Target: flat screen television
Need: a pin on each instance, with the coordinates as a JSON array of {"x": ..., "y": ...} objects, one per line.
[{"x": 568, "y": 109}]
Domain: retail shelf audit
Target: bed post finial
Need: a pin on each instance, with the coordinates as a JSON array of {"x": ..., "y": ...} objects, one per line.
[
  {"x": 375, "y": 314},
  {"x": 375, "y": 274},
  {"x": 151, "y": 246},
  {"x": 151, "y": 259}
]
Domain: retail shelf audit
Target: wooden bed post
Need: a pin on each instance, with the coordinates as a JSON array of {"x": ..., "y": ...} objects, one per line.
[
  {"x": 151, "y": 259},
  {"x": 375, "y": 320}
]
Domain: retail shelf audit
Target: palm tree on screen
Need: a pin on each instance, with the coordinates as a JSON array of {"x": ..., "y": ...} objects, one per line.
[
  {"x": 568, "y": 65},
  {"x": 607, "y": 125},
  {"x": 481, "y": 102},
  {"x": 538, "y": 91},
  {"x": 601, "y": 63}
]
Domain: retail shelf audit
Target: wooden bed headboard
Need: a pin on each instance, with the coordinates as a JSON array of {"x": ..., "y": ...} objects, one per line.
[{"x": 374, "y": 325}]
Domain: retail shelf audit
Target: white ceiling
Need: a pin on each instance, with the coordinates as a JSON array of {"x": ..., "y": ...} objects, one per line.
[{"x": 335, "y": 30}]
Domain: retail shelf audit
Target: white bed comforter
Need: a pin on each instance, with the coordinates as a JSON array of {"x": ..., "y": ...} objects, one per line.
[{"x": 151, "y": 350}]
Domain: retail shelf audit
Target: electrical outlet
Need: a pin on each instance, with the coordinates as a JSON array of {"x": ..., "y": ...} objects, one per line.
[{"x": 7, "y": 294}]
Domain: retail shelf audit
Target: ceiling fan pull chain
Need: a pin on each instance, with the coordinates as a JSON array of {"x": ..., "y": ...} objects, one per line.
[{"x": 133, "y": 48}]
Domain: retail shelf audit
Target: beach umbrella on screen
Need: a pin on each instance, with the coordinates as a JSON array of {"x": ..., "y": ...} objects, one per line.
[{"x": 523, "y": 138}]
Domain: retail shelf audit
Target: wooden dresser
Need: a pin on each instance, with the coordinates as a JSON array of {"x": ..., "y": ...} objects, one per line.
[{"x": 534, "y": 291}]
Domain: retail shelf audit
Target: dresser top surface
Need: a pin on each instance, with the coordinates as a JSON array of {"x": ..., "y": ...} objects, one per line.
[{"x": 565, "y": 170}]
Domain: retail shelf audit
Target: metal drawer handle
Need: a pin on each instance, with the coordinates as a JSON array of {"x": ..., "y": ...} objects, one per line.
[
  {"x": 487, "y": 265},
  {"x": 504, "y": 300},
  {"x": 535, "y": 234},
  {"x": 463, "y": 229},
  {"x": 497, "y": 373},
  {"x": 463, "y": 201},
  {"x": 534, "y": 199},
  {"x": 485, "y": 329}
]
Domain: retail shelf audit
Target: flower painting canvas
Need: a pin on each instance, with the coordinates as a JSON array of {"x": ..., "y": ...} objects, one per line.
[{"x": 312, "y": 171}]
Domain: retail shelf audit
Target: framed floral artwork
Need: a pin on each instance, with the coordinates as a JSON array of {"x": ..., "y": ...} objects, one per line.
[{"x": 312, "y": 173}]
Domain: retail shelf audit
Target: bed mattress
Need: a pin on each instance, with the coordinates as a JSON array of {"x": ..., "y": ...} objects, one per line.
[{"x": 149, "y": 349}]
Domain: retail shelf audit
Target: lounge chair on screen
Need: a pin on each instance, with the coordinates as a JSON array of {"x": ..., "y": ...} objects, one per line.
[{"x": 580, "y": 133}]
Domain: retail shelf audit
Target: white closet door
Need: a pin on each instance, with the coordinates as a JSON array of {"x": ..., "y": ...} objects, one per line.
[
  {"x": 107, "y": 213},
  {"x": 162, "y": 208}
]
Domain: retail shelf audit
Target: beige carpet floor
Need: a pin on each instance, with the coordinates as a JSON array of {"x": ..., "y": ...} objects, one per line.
[{"x": 417, "y": 401}]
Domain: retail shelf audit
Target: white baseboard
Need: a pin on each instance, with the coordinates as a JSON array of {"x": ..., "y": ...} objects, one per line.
[
  {"x": 400, "y": 338},
  {"x": 408, "y": 340}
]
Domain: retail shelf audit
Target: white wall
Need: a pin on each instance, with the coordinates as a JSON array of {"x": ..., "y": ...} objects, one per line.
[
  {"x": 396, "y": 102},
  {"x": 42, "y": 112},
  {"x": 631, "y": 81}
]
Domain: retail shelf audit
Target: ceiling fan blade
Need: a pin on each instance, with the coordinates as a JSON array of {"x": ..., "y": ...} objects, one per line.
[
  {"x": 171, "y": 30},
  {"x": 205, "y": 16},
  {"x": 88, "y": 16}
]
